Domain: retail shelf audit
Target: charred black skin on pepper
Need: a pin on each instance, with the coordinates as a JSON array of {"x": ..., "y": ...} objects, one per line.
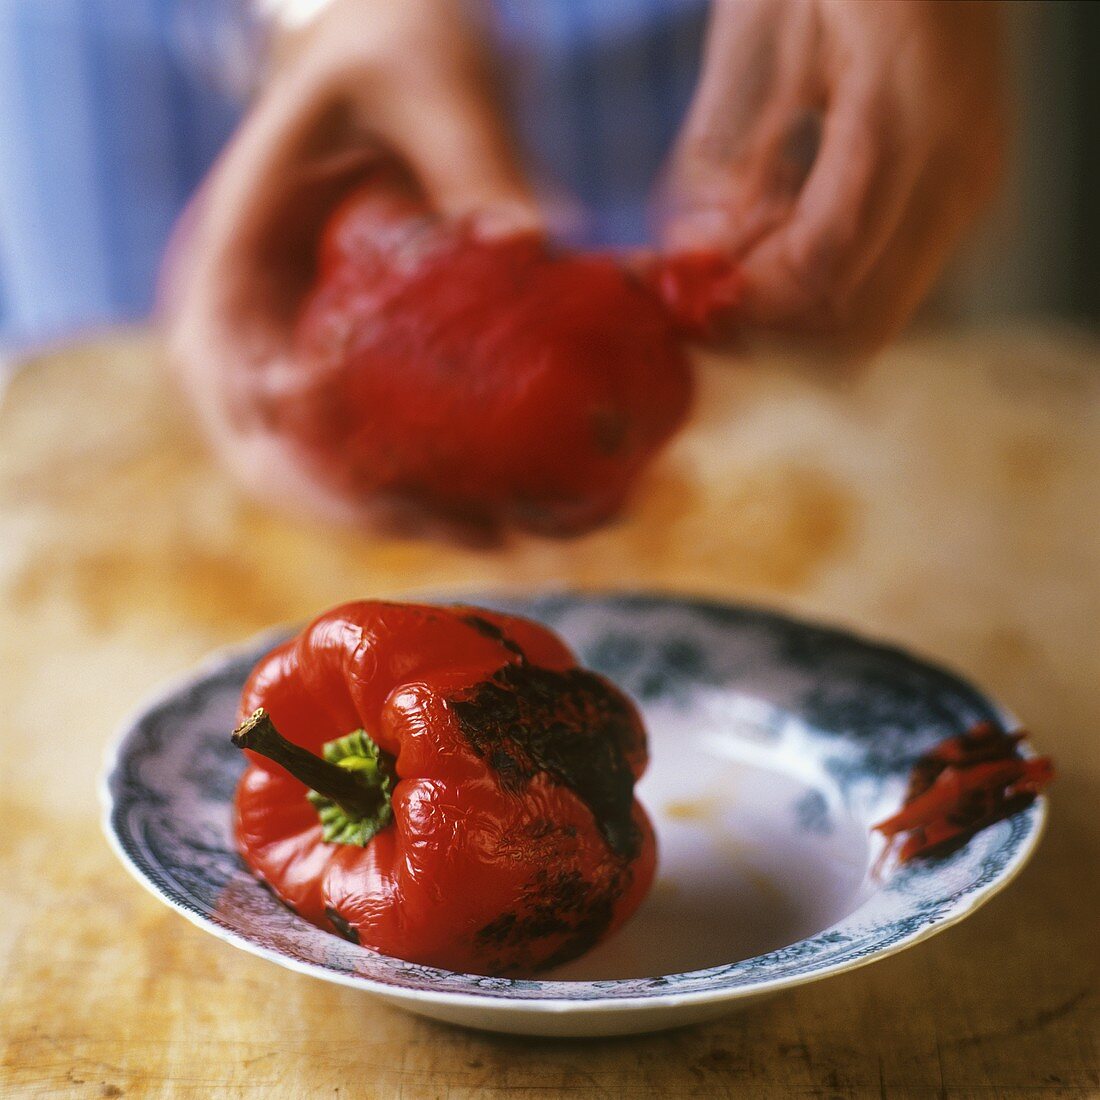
[
  {"x": 558, "y": 904},
  {"x": 575, "y": 728},
  {"x": 571, "y": 726},
  {"x": 491, "y": 630},
  {"x": 342, "y": 926}
]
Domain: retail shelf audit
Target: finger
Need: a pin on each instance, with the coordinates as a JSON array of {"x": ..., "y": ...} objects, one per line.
[
  {"x": 445, "y": 121},
  {"x": 849, "y": 208},
  {"x": 743, "y": 151},
  {"x": 418, "y": 79},
  {"x": 906, "y": 269},
  {"x": 935, "y": 222}
]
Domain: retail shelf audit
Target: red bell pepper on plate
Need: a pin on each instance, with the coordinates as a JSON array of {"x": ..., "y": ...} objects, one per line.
[{"x": 444, "y": 785}]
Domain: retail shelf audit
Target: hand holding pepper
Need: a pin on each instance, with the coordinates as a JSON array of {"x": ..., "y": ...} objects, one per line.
[{"x": 497, "y": 382}]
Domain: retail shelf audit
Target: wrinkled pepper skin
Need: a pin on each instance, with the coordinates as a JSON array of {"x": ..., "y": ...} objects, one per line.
[
  {"x": 501, "y": 383},
  {"x": 515, "y": 842}
]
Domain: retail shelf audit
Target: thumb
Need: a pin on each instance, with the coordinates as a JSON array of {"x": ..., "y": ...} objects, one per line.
[{"x": 442, "y": 118}]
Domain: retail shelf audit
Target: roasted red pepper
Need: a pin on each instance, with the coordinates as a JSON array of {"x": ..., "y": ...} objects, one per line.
[
  {"x": 444, "y": 785},
  {"x": 963, "y": 785},
  {"x": 501, "y": 382}
]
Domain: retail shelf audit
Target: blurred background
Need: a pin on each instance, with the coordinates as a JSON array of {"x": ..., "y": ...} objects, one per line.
[
  {"x": 112, "y": 110},
  {"x": 1039, "y": 252}
]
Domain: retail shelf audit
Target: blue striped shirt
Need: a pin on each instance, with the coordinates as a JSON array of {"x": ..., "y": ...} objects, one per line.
[{"x": 111, "y": 111}]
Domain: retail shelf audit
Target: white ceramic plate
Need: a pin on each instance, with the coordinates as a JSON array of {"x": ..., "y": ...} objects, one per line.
[{"x": 775, "y": 745}]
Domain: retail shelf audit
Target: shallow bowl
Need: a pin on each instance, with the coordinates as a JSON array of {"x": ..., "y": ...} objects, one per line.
[{"x": 775, "y": 745}]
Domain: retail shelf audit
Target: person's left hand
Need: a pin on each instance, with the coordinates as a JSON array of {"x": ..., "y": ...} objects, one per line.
[{"x": 839, "y": 149}]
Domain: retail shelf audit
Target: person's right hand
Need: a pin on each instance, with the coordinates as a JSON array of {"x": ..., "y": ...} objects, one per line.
[{"x": 367, "y": 80}]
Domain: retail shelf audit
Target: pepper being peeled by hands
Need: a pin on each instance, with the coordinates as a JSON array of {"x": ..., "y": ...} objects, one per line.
[
  {"x": 500, "y": 382},
  {"x": 444, "y": 785}
]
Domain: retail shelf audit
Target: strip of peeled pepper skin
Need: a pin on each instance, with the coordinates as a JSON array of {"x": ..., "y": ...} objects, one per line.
[
  {"x": 503, "y": 382},
  {"x": 510, "y": 840},
  {"x": 963, "y": 785},
  {"x": 701, "y": 291}
]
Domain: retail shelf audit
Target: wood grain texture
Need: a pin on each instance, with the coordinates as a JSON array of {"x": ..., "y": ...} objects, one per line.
[{"x": 948, "y": 499}]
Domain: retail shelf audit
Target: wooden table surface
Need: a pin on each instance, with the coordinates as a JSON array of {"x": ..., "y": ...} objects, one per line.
[{"x": 949, "y": 499}]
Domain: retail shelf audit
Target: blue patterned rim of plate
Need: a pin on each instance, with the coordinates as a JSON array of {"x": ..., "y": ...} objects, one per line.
[{"x": 863, "y": 712}]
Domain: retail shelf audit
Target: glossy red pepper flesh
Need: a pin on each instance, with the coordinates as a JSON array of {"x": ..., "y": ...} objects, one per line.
[
  {"x": 514, "y": 841},
  {"x": 502, "y": 382}
]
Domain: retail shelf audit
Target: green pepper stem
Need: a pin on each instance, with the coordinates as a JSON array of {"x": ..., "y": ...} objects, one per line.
[{"x": 355, "y": 796}]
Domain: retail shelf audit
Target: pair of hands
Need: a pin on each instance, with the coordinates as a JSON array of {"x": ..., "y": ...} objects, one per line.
[{"x": 837, "y": 148}]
